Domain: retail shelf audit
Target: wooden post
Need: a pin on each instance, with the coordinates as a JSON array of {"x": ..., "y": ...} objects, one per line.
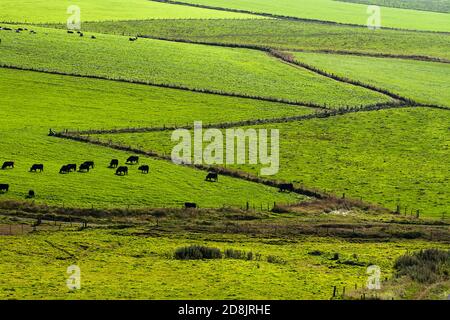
[{"x": 334, "y": 291}]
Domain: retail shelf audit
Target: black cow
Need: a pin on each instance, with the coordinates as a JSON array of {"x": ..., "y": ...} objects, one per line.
[
  {"x": 90, "y": 164},
  {"x": 64, "y": 169},
  {"x": 31, "y": 194},
  {"x": 133, "y": 39},
  {"x": 4, "y": 188},
  {"x": 190, "y": 205},
  {"x": 289, "y": 187},
  {"x": 81, "y": 34},
  {"x": 121, "y": 171},
  {"x": 72, "y": 167},
  {"x": 8, "y": 164},
  {"x": 114, "y": 163},
  {"x": 69, "y": 31},
  {"x": 37, "y": 167},
  {"x": 93, "y": 37},
  {"x": 144, "y": 168},
  {"x": 133, "y": 160},
  {"x": 84, "y": 167},
  {"x": 212, "y": 177}
]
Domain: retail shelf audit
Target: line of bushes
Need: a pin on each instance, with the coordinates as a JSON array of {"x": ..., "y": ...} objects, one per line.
[{"x": 198, "y": 252}]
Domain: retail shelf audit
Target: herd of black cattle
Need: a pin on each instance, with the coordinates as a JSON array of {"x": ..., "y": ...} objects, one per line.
[{"x": 88, "y": 165}]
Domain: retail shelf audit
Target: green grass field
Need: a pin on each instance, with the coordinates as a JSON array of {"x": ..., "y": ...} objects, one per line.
[
  {"x": 425, "y": 82},
  {"x": 69, "y": 101},
  {"x": 248, "y": 72},
  {"x": 122, "y": 231},
  {"x": 387, "y": 157},
  {"x": 336, "y": 11},
  {"x": 32, "y": 103},
  {"x": 152, "y": 273},
  {"x": 42, "y": 11},
  {"x": 284, "y": 34}
]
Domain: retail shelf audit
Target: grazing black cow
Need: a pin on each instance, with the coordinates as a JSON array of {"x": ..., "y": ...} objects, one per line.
[
  {"x": 190, "y": 205},
  {"x": 289, "y": 187},
  {"x": 114, "y": 163},
  {"x": 37, "y": 167},
  {"x": 84, "y": 167},
  {"x": 64, "y": 169},
  {"x": 72, "y": 167},
  {"x": 69, "y": 31},
  {"x": 212, "y": 177},
  {"x": 8, "y": 164},
  {"x": 90, "y": 164},
  {"x": 121, "y": 171},
  {"x": 133, "y": 160},
  {"x": 4, "y": 188},
  {"x": 133, "y": 39},
  {"x": 144, "y": 168},
  {"x": 31, "y": 194},
  {"x": 93, "y": 37},
  {"x": 81, "y": 34}
]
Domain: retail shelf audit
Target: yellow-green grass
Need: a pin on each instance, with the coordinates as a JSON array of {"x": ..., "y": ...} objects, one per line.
[
  {"x": 119, "y": 265},
  {"x": 284, "y": 34},
  {"x": 390, "y": 157},
  {"x": 31, "y": 103},
  {"x": 239, "y": 71},
  {"x": 335, "y": 11},
  {"x": 425, "y": 82},
  {"x": 40, "y": 11}
]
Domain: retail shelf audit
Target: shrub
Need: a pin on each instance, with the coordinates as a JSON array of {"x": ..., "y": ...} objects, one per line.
[
  {"x": 335, "y": 256},
  {"x": 196, "y": 252},
  {"x": 425, "y": 266},
  {"x": 275, "y": 259},
  {"x": 237, "y": 254}
]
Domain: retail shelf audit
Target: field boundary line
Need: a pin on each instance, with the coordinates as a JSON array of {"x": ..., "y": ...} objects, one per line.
[
  {"x": 233, "y": 173},
  {"x": 175, "y": 87},
  {"x": 413, "y": 57},
  {"x": 288, "y": 58},
  {"x": 250, "y": 122},
  {"x": 373, "y": 55},
  {"x": 221, "y": 170},
  {"x": 283, "y": 17}
]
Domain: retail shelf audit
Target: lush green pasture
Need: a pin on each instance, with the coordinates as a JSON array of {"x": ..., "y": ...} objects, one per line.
[
  {"x": 284, "y": 34},
  {"x": 31, "y": 103},
  {"x": 425, "y": 82},
  {"x": 241, "y": 71},
  {"x": 425, "y": 5},
  {"x": 40, "y": 11},
  {"x": 329, "y": 10},
  {"x": 80, "y": 103},
  {"x": 388, "y": 157},
  {"x": 118, "y": 265}
]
